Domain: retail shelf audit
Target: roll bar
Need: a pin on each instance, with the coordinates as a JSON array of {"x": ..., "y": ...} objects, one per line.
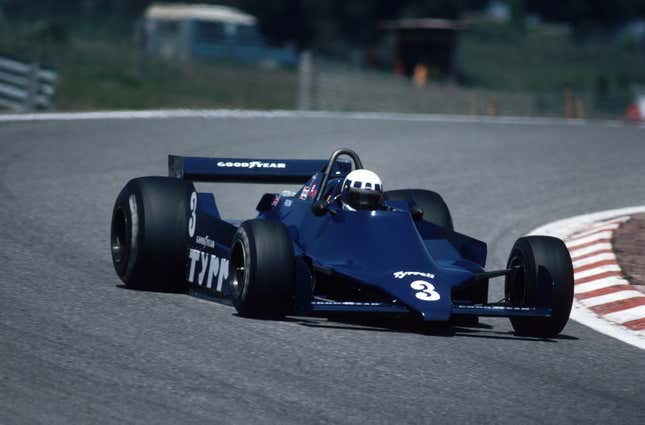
[{"x": 332, "y": 160}]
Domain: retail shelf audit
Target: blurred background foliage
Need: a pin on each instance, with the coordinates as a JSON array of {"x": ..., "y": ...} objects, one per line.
[
  {"x": 317, "y": 23},
  {"x": 544, "y": 47}
]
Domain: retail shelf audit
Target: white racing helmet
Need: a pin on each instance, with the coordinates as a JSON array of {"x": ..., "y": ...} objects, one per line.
[{"x": 362, "y": 190}]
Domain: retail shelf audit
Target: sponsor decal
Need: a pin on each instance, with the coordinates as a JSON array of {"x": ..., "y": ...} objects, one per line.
[
  {"x": 313, "y": 191},
  {"x": 304, "y": 193},
  {"x": 402, "y": 274},
  {"x": 287, "y": 202},
  {"x": 251, "y": 164},
  {"x": 192, "y": 219},
  {"x": 205, "y": 269},
  {"x": 205, "y": 241}
]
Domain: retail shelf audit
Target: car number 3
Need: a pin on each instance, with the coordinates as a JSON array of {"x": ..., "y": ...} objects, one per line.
[
  {"x": 425, "y": 290},
  {"x": 192, "y": 220}
]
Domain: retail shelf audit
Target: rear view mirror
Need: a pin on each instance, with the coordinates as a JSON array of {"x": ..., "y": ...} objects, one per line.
[{"x": 416, "y": 212}]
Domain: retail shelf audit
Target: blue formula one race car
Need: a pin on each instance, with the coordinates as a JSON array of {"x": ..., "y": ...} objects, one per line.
[{"x": 340, "y": 244}]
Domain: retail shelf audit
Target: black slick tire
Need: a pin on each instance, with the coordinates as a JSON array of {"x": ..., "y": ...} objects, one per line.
[
  {"x": 434, "y": 207},
  {"x": 262, "y": 269},
  {"x": 148, "y": 233},
  {"x": 543, "y": 268}
]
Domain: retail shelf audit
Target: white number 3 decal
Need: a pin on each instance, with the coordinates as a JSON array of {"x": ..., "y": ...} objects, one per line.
[
  {"x": 192, "y": 220},
  {"x": 426, "y": 290}
]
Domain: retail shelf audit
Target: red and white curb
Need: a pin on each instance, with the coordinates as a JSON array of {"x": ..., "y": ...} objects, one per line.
[{"x": 603, "y": 299}]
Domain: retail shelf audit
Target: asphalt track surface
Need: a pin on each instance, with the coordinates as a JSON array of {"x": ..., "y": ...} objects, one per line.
[{"x": 75, "y": 347}]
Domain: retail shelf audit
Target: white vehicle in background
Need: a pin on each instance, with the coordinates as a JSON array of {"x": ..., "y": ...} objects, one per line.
[{"x": 200, "y": 31}]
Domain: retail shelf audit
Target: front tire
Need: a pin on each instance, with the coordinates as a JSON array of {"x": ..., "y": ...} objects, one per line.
[
  {"x": 544, "y": 275},
  {"x": 262, "y": 269},
  {"x": 434, "y": 207},
  {"x": 148, "y": 233}
]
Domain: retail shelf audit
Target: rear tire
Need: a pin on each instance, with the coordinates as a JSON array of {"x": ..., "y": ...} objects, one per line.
[
  {"x": 544, "y": 273},
  {"x": 148, "y": 233},
  {"x": 262, "y": 269},
  {"x": 434, "y": 207}
]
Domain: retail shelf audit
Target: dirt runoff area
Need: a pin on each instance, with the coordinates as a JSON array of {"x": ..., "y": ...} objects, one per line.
[{"x": 629, "y": 245}]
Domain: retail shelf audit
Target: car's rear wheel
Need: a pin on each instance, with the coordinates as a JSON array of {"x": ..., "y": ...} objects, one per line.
[
  {"x": 148, "y": 233},
  {"x": 262, "y": 269},
  {"x": 543, "y": 277},
  {"x": 434, "y": 207}
]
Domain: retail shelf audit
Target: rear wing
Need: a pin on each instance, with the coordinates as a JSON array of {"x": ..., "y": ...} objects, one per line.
[{"x": 245, "y": 170}]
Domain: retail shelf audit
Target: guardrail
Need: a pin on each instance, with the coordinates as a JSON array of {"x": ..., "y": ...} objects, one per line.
[{"x": 26, "y": 87}]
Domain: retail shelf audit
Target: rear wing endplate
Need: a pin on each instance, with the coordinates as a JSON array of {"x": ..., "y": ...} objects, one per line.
[{"x": 245, "y": 170}]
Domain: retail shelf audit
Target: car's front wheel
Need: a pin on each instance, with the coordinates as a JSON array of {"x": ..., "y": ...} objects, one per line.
[
  {"x": 543, "y": 277},
  {"x": 262, "y": 269},
  {"x": 431, "y": 203}
]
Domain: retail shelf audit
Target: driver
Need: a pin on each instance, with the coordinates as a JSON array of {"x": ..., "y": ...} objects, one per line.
[{"x": 362, "y": 190}]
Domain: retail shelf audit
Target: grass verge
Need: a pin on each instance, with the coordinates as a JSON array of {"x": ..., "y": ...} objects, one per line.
[{"x": 110, "y": 73}]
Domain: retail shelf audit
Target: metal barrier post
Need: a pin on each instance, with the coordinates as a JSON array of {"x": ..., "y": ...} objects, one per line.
[
  {"x": 305, "y": 81},
  {"x": 492, "y": 106},
  {"x": 568, "y": 103},
  {"x": 473, "y": 104},
  {"x": 580, "y": 108},
  {"x": 32, "y": 89}
]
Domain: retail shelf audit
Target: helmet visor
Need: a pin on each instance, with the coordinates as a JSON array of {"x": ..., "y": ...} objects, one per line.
[{"x": 363, "y": 199}]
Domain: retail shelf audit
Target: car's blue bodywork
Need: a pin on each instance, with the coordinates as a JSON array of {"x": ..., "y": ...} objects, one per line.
[{"x": 384, "y": 261}]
